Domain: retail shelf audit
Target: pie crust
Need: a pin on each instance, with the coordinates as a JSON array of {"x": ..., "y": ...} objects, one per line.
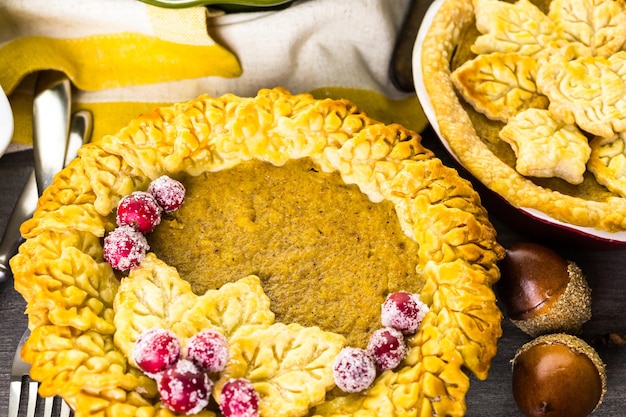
[
  {"x": 453, "y": 38},
  {"x": 71, "y": 291}
]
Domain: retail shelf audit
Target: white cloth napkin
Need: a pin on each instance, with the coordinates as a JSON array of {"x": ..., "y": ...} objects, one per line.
[{"x": 125, "y": 56}]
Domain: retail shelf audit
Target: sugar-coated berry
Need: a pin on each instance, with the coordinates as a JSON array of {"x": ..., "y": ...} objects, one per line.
[
  {"x": 354, "y": 369},
  {"x": 387, "y": 347},
  {"x": 239, "y": 399},
  {"x": 124, "y": 248},
  {"x": 155, "y": 350},
  {"x": 209, "y": 350},
  {"x": 403, "y": 311},
  {"x": 184, "y": 388},
  {"x": 168, "y": 192},
  {"x": 140, "y": 210}
]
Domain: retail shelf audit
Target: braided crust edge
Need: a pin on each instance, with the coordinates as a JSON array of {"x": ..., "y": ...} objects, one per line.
[{"x": 69, "y": 288}]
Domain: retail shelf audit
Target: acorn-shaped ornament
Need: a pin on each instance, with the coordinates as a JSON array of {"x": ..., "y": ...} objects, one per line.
[
  {"x": 558, "y": 375},
  {"x": 542, "y": 292}
]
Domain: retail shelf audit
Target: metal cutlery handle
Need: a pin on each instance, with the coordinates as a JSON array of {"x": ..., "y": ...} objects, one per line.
[
  {"x": 51, "y": 125},
  {"x": 80, "y": 131},
  {"x": 23, "y": 210}
]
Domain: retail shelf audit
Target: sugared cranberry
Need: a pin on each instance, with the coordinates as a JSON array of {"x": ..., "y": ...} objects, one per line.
[
  {"x": 209, "y": 350},
  {"x": 168, "y": 192},
  {"x": 239, "y": 399},
  {"x": 354, "y": 369},
  {"x": 387, "y": 347},
  {"x": 184, "y": 388},
  {"x": 140, "y": 210},
  {"x": 156, "y": 350},
  {"x": 124, "y": 248},
  {"x": 403, "y": 311}
]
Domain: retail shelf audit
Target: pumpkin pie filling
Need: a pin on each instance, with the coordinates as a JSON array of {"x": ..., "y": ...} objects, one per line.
[{"x": 326, "y": 255}]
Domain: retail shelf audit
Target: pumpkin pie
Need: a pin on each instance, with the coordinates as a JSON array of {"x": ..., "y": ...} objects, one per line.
[
  {"x": 530, "y": 97},
  {"x": 298, "y": 212}
]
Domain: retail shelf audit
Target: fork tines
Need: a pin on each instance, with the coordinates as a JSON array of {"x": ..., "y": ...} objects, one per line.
[{"x": 25, "y": 401}]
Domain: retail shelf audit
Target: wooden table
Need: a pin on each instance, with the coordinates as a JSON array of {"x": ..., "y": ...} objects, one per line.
[{"x": 605, "y": 270}]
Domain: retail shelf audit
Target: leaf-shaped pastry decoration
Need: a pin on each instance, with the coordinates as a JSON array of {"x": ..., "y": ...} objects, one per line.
[
  {"x": 608, "y": 162},
  {"x": 579, "y": 73},
  {"x": 154, "y": 295},
  {"x": 588, "y": 91},
  {"x": 287, "y": 364},
  {"x": 545, "y": 147},
  {"x": 499, "y": 85},
  {"x": 234, "y": 307},
  {"x": 512, "y": 28},
  {"x": 591, "y": 27},
  {"x": 290, "y": 365}
]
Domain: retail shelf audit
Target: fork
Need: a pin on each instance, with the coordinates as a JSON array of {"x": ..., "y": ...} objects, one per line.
[
  {"x": 80, "y": 133},
  {"x": 19, "y": 374}
]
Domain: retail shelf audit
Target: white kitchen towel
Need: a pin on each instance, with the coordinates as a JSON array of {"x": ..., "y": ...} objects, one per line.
[{"x": 125, "y": 57}]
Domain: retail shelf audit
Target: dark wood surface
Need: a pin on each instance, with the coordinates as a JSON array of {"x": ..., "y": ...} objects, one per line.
[{"x": 605, "y": 271}]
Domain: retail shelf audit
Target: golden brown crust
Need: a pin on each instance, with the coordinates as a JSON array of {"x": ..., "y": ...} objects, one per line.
[
  {"x": 448, "y": 27},
  {"x": 545, "y": 147},
  {"x": 70, "y": 289},
  {"x": 483, "y": 83},
  {"x": 608, "y": 162}
]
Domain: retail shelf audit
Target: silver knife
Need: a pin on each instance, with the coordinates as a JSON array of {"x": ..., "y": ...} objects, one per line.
[
  {"x": 50, "y": 140},
  {"x": 51, "y": 125}
]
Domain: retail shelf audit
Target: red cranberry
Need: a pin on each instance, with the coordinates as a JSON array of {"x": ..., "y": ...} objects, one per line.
[
  {"x": 387, "y": 348},
  {"x": 140, "y": 210},
  {"x": 239, "y": 399},
  {"x": 184, "y": 388},
  {"x": 156, "y": 350},
  {"x": 168, "y": 192},
  {"x": 403, "y": 311},
  {"x": 124, "y": 248},
  {"x": 354, "y": 369},
  {"x": 209, "y": 350}
]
